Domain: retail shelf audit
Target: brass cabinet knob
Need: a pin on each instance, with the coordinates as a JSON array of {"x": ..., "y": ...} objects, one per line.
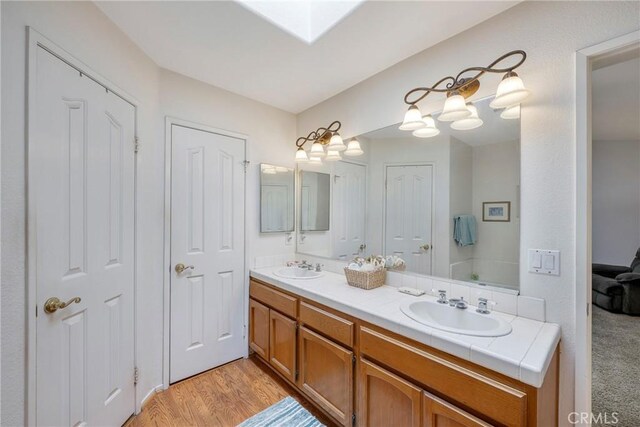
[
  {"x": 180, "y": 267},
  {"x": 53, "y": 304}
]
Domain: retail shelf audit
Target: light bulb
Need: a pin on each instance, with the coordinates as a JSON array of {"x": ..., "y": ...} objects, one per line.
[
  {"x": 511, "y": 113},
  {"x": 412, "y": 119},
  {"x": 336, "y": 143},
  {"x": 301, "y": 156},
  {"x": 511, "y": 91},
  {"x": 468, "y": 123},
  {"x": 317, "y": 150},
  {"x": 429, "y": 130},
  {"x": 455, "y": 108},
  {"x": 353, "y": 149}
]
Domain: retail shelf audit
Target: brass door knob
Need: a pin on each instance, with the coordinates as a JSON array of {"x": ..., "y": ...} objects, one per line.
[
  {"x": 425, "y": 247},
  {"x": 180, "y": 267},
  {"x": 53, "y": 304}
]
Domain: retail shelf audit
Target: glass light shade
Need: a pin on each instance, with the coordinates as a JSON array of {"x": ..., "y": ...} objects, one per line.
[
  {"x": 455, "y": 108},
  {"x": 412, "y": 119},
  {"x": 317, "y": 150},
  {"x": 301, "y": 156},
  {"x": 281, "y": 169},
  {"x": 315, "y": 161},
  {"x": 336, "y": 143},
  {"x": 511, "y": 91},
  {"x": 333, "y": 156},
  {"x": 511, "y": 113},
  {"x": 468, "y": 123},
  {"x": 353, "y": 149},
  {"x": 429, "y": 130}
]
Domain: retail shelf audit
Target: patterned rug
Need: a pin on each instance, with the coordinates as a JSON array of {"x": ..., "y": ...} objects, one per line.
[{"x": 287, "y": 412}]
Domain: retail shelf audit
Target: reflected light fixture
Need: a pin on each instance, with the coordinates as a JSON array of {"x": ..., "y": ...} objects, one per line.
[
  {"x": 325, "y": 137},
  {"x": 511, "y": 113},
  {"x": 429, "y": 130},
  {"x": 353, "y": 149},
  {"x": 510, "y": 92},
  {"x": 468, "y": 123}
]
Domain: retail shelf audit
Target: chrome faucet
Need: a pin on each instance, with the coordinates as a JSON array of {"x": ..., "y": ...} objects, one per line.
[
  {"x": 483, "y": 306},
  {"x": 318, "y": 267},
  {"x": 442, "y": 296},
  {"x": 458, "y": 303}
]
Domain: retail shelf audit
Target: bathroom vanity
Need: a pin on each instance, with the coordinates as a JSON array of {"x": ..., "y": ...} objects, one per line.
[{"x": 360, "y": 360}]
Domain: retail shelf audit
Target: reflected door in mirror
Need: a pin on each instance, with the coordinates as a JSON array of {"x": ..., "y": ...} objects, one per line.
[
  {"x": 349, "y": 192},
  {"x": 409, "y": 215}
]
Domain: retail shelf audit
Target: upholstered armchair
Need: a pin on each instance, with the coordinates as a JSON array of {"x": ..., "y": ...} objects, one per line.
[{"x": 617, "y": 288}]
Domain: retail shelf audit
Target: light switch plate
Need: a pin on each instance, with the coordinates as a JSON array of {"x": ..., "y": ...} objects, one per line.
[{"x": 544, "y": 261}]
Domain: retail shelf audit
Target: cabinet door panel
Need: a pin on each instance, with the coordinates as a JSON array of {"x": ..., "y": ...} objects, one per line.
[
  {"x": 259, "y": 328},
  {"x": 326, "y": 375},
  {"x": 386, "y": 399},
  {"x": 440, "y": 413},
  {"x": 282, "y": 344}
]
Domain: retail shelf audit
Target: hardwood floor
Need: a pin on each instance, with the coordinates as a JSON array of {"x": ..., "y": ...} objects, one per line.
[{"x": 224, "y": 396}]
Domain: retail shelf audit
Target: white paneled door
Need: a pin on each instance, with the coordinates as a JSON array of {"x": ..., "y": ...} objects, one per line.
[
  {"x": 349, "y": 207},
  {"x": 207, "y": 250},
  {"x": 409, "y": 214},
  {"x": 82, "y": 194}
]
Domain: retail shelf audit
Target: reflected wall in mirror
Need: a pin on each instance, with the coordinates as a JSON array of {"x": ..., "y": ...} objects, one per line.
[
  {"x": 422, "y": 199},
  {"x": 315, "y": 196},
  {"x": 277, "y": 192}
]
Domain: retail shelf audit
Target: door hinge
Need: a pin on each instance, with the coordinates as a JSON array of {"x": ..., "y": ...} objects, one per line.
[
  {"x": 135, "y": 376},
  {"x": 296, "y": 375},
  {"x": 246, "y": 165},
  {"x": 244, "y": 331},
  {"x": 36, "y": 310},
  {"x": 136, "y": 144},
  {"x": 588, "y": 309},
  {"x": 353, "y": 419},
  {"x": 353, "y": 359}
]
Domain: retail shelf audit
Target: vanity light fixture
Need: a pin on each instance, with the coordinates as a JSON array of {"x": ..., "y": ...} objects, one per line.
[
  {"x": 330, "y": 138},
  {"x": 510, "y": 92}
]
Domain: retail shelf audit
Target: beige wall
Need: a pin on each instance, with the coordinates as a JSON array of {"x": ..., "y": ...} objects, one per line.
[{"x": 551, "y": 33}]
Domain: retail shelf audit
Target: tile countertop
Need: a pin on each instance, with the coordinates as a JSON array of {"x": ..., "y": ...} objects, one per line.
[{"x": 524, "y": 354}]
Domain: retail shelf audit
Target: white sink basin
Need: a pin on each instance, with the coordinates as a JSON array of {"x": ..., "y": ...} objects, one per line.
[
  {"x": 458, "y": 321},
  {"x": 297, "y": 273}
]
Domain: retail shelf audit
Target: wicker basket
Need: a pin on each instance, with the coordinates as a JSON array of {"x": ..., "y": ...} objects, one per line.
[{"x": 365, "y": 279}]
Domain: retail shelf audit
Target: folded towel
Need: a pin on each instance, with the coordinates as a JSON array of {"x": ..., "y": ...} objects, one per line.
[{"x": 464, "y": 230}]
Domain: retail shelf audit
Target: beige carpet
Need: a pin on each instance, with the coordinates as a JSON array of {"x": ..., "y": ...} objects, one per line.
[{"x": 616, "y": 366}]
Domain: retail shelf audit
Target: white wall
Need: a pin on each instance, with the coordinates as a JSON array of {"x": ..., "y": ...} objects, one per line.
[
  {"x": 81, "y": 29},
  {"x": 616, "y": 201},
  {"x": 551, "y": 33}
]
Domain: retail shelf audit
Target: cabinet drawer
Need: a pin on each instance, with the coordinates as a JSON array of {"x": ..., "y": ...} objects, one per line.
[
  {"x": 470, "y": 390},
  {"x": 326, "y": 323},
  {"x": 284, "y": 303}
]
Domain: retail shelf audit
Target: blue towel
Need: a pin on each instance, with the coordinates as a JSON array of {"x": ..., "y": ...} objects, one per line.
[{"x": 464, "y": 230}]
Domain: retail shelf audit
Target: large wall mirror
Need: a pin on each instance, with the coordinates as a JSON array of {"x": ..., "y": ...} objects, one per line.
[
  {"x": 277, "y": 191},
  {"x": 448, "y": 205}
]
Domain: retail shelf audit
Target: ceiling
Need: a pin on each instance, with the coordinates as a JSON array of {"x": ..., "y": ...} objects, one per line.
[
  {"x": 225, "y": 44},
  {"x": 494, "y": 129},
  {"x": 616, "y": 101}
]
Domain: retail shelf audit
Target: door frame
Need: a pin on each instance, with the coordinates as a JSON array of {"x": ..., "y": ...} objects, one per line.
[
  {"x": 166, "y": 297},
  {"x": 386, "y": 165},
  {"x": 584, "y": 60},
  {"x": 36, "y": 40}
]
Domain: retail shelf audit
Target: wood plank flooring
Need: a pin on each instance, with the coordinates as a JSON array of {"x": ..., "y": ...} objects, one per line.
[{"x": 224, "y": 396}]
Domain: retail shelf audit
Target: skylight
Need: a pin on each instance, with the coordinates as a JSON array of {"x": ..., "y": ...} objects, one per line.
[{"x": 307, "y": 20}]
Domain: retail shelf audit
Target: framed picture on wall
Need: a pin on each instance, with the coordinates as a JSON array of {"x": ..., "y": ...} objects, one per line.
[{"x": 496, "y": 211}]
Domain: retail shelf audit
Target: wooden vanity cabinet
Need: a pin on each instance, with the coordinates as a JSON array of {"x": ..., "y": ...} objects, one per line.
[
  {"x": 282, "y": 344},
  {"x": 259, "y": 328},
  {"x": 440, "y": 413},
  {"x": 385, "y": 399},
  {"x": 326, "y": 374}
]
